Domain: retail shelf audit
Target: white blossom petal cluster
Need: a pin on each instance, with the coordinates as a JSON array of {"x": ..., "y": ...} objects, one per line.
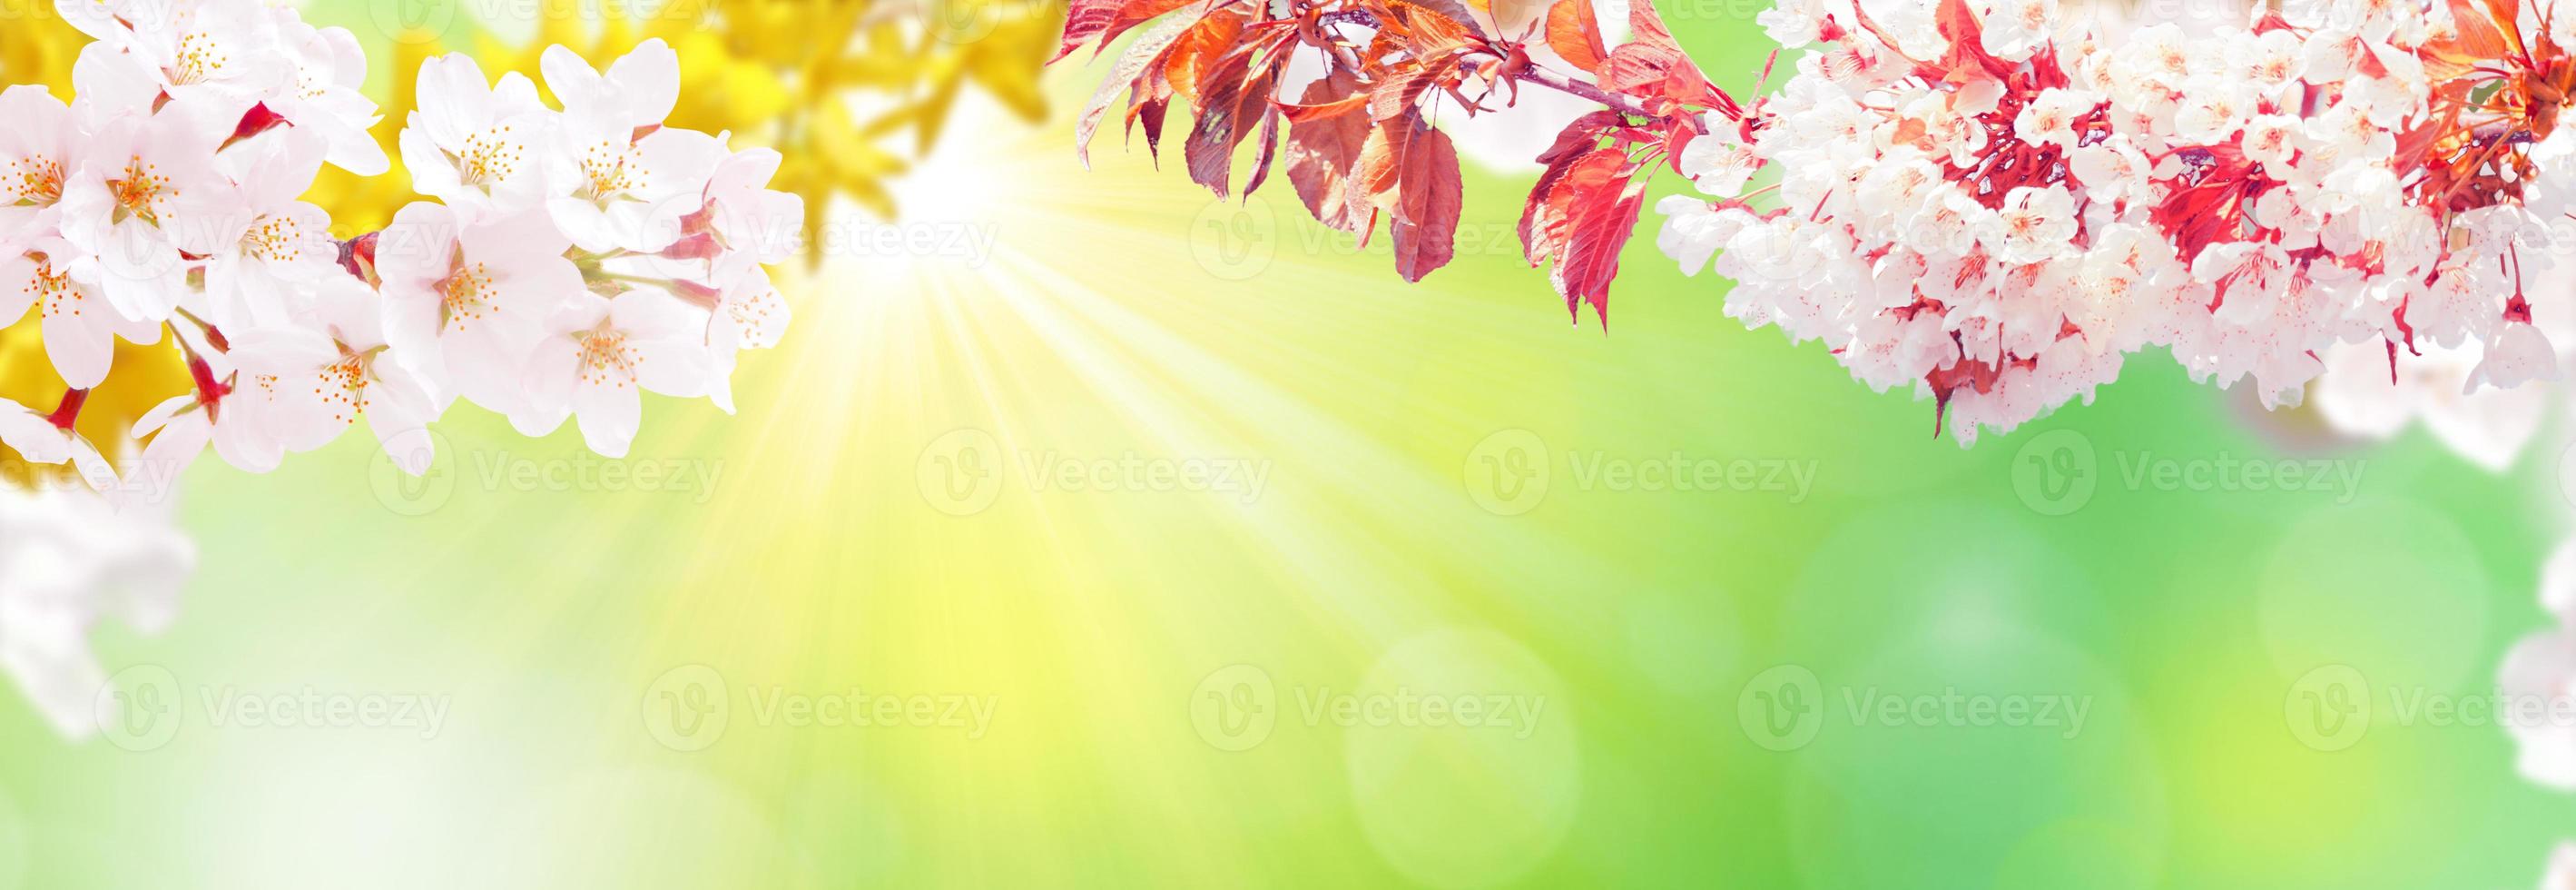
[
  {"x": 2542, "y": 669},
  {"x": 573, "y": 257},
  {"x": 2001, "y": 222},
  {"x": 69, "y": 559}
]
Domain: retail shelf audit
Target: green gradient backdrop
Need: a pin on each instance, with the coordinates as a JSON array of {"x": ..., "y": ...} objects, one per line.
[{"x": 830, "y": 557}]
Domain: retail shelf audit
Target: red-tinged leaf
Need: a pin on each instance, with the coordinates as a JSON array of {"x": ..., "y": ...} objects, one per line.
[
  {"x": 1574, "y": 32},
  {"x": 1298, "y": 114},
  {"x": 1645, "y": 25},
  {"x": 1652, "y": 65},
  {"x": 1233, "y": 94},
  {"x": 1649, "y": 71},
  {"x": 1684, "y": 129},
  {"x": 1428, "y": 29},
  {"x": 1324, "y": 155},
  {"x": 1958, "y": 24},
  {"x": 1200, "y": 47},
  {"x": 1422, "y": 248},
  {"x": 1150, "y": 114},
  {"x": 1399, "y": 93},
  {"x": 1140, "y": 57},
  {"x": 1581, "y": 215},
  {"x": 1133, "y": 13},
  {"x": 1547, "y": 223},
  {"x": 1082, "y": 21},
  {"x": 2482, "y": 34},
  {"x": 1581, "y": 136},
  {"x": 1410, "y": 170},
  {"x": 1601, "y": 227},
  {"x": 1431, "y": 193},
  {"x": 1269, "y": 142},
  {"x": 1544, "y": 216}
]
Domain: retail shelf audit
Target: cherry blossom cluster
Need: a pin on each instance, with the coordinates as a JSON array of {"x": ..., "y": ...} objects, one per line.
[
  {"x": 573, "y": 257},
  {"x": 1996, "y": 202}
]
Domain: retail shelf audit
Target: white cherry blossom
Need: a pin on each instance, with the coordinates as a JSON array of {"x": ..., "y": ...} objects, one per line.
[
  {"x": 611, "y": 351},
  {"x": 478, "y": 146},
  {"x": 466, "y": 302}
]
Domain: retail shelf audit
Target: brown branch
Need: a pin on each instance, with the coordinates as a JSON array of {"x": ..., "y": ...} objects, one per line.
[
  {"x": 1623, "y": 104},
  {"x": 1531, "y": 74}
]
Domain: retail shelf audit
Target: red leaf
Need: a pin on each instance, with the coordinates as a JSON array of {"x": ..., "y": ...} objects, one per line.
[
  {"x": 1129, "y": 74},
  {"x": 1652, "y": 65},
  {"x": 1601, "y": 227},
  {"x": 2483, "y": 33},
  {"x": 1324, "y": 153},
  {"x": 1298, "y": 114},
  {"x": 1269, "y": 142},
  {"x": 1958, "y": 24},
  {"x": 1428, "y": 29},
  {"x": 1411, "y": 170},
  {"x": 1543, "y": 218},
  {"x": 1151, "y": 115},
  {"x": 1083, "y": 21},
  {"x": 1135, "y": 12},
  {"x": 1234, "y": 92},
  {"x": 1399, "y": 93},
  {"x": 1574, "y": 32},
  {"x": 1581, "y": 215},
  {"x": 1199, "y": 47}
]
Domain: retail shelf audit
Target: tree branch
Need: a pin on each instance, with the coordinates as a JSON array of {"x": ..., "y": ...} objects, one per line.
[
  {"x": 1531, "y": 74},
  {"x": 1563, "y": 84}
]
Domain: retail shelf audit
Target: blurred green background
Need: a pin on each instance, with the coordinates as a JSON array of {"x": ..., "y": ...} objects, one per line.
[{"x": 895, "y": 643}]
